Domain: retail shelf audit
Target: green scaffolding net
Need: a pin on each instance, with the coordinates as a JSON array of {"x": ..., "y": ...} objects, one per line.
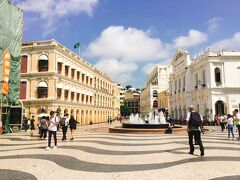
[{"x": 11, "y": 25}]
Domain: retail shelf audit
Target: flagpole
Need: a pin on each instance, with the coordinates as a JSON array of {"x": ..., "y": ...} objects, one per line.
[{"x": 79, "y": 51}]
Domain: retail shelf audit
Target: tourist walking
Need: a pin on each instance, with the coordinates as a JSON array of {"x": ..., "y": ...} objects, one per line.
[
  {"x": 39, "y": 126},
  {"x": 32, "y": 123},
  {"x": 236, "y": 117},
  {"x": 230, "y": 126},
  {"x": 222, "y": 122},
  {"x": 110, "y": 120},
  {"x": 73, "y": 126},
  {"x": 43, "y": 127},
  {"x": 52, "y": 130},
  {"x": 194, "y": 120},
  {"x": 28, "y": 123},
  {"x": 25, "y": 123},
  {"x": 64, "y": 124}
]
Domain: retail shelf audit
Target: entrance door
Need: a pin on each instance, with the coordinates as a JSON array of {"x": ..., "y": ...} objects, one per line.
[{"x": 219, "y": 107}]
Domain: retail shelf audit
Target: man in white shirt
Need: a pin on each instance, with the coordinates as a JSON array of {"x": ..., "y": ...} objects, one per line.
[
  {"x": 194, "y": 120},
  {"x": 52, "y": 130},
  {"x": 236, "y": 117}
]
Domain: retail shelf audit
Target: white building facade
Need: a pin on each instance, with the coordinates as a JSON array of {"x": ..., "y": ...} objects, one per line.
[
  {"x": 210, "y": 82},
  {"x": 157, "y": 82},
  {"x": 122, "y": 93}
]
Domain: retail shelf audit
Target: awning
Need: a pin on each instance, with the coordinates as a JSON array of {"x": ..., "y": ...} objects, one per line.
[
  {"x": 66, "y": 87},
  {"x": 73, "y": 89},
  {"x": 59, "y": 85},
  {"x": 42, "y": 84},
  {"x": 78, "y": 90},
  {"x": 59, "y": 59},
  {"x": 66, "y": 63},
  {"x": 43, "y": 57}
]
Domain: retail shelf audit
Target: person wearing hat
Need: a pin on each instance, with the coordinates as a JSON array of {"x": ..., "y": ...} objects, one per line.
[{"x": 194, "y": 120}]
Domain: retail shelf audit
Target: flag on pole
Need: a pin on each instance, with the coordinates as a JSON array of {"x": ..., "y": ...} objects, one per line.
[{"x": 77, "y": 45}]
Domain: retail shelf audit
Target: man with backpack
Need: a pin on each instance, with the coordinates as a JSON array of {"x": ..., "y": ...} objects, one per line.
[
  {"x": 43, "y": 127},
  {"x": 64, "y": 124},
  {"x": 194, "y": 120}
]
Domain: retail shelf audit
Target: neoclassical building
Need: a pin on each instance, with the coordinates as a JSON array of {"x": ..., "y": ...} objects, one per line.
[
  {"x": 54, "y": 77},
  {"x": 157, "y": 82},
  {"x": 209, "y": 81},
  {"x": 163, "y": 100}
]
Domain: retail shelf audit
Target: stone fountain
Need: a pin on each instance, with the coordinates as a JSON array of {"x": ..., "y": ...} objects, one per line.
[{"x": 153, "y": 120}]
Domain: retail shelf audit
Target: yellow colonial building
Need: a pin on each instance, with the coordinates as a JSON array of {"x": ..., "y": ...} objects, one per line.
[
  {"x": 53, "y": 77},
  {"x": 116, "y": 101}
]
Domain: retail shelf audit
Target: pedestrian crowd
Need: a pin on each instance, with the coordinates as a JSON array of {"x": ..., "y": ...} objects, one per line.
[
  {"x": 230, "y": 122},
  {"x": 50, "y": 125}
]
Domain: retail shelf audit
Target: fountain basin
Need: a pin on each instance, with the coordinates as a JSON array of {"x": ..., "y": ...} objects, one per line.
[
  {"x": 145, "y": 126},
  {"x": 176, "y": 130}
]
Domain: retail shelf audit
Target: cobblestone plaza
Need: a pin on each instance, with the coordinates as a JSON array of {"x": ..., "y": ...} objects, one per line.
[{"x": 96, "y": 154}]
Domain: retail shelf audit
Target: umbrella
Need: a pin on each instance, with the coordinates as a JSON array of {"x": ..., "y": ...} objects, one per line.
[{"x": 43, "y": 114}]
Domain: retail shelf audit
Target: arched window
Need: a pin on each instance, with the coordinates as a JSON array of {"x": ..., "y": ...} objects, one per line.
[
  {"x": 42, "y": 89},
  {"x": 217, "y": 75},
  {"x": 155, "y": 93},
  {"x": 43, "y": 63}
]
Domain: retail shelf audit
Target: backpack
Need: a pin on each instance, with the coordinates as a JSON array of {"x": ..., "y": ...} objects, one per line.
[
  {"x": 62, "y": 121},
  {"x": 195, "y": 120}
]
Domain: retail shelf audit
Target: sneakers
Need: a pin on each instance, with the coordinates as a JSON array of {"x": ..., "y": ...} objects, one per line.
[
  {"x": 71, "y": 139},
  {"x": 190, "y": 153},
  {"x": 48, "y": 148},
  {"x": 202, "y": 154}
]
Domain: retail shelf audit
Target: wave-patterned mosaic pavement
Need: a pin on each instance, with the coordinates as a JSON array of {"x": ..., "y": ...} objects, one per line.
[{"x": 119, "y": 156}]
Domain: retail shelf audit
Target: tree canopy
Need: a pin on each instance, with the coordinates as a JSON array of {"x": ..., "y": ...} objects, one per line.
[{"x": 125, "y": 111}]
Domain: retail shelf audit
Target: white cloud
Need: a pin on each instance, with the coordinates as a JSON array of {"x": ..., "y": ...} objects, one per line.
[
  {"x": 118, "y": 70},
  {"x": 127, "y": 44},
  {"x": 213, "y": 24},
  {"x": 148, "y": 68},
  {"x": 51, "y": 10},
  {"x": 193, "y": 38},
  {"x": 120, "y": 50},
  {"x": 229, "y": 44}
]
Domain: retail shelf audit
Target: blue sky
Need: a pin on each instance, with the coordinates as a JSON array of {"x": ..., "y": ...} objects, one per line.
[{"x": 127, "y": 38}]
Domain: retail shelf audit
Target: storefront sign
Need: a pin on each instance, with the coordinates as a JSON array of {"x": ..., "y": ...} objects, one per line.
[{"x": 6, "y": 71}]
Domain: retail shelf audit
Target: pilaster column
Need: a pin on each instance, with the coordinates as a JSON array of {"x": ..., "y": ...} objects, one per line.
[{"x": 63, "y": 69}]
